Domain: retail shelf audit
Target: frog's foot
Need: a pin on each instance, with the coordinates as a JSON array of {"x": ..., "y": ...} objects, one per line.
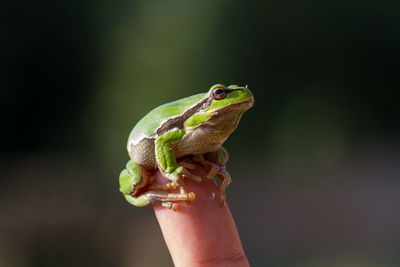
[
  {"x": 165, "y": 199},
  {"x": 188, "y": 165},
  {"x": 186, "y": 171},
  {"x": 187, "y": 174},
  {"x": 226, "y": 179},
  {"x": 181, "y": 185},
  {"x": 167, "y": 186},
  {"x": 214, "y": 168},
  {"x": 218, "y": 171},
  {"x": 170, "y": 205},
  {"x": 178, "y": 175}
]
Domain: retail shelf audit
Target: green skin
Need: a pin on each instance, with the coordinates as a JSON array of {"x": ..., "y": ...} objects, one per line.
[{"x": 192, "y": 130}]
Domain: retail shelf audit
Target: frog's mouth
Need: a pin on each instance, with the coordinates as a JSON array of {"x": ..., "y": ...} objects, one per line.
[
  {"x": 250, "y": 102},
  {"x": 244, "y": 105}
]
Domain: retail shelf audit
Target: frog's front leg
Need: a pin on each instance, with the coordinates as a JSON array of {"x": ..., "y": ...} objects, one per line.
[{"x": 166, "y": 161}]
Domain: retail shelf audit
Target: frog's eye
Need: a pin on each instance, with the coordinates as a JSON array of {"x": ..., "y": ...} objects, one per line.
[{"x": 219, "y": 93}]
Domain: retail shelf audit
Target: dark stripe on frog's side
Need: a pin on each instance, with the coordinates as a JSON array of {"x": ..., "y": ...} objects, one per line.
[{"x": 178, "y": 122}]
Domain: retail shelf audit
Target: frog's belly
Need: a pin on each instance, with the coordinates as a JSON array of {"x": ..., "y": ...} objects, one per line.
[
  {"x": 143, "y": 153},
  {"x": 200, "y": 141}
]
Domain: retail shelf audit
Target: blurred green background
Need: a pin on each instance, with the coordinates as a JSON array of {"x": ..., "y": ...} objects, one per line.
[{"x": 315, "y": 163}]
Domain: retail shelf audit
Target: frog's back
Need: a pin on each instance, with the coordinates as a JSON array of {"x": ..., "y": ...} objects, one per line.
[
  {"x": 141, "y": 138},
  {"x": 148, "y": 125}
]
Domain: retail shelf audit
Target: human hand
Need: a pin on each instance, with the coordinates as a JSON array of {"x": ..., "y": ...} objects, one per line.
[{"x": 201, "y": 233}]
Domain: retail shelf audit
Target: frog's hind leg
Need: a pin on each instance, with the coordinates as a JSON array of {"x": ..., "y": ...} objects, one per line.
[
  {"x": 133, "y": 178},
  {"x": 160, "y": 198}
]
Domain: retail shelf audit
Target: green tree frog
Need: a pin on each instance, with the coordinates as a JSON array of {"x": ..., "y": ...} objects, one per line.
[{"x": 191, "y": 130}]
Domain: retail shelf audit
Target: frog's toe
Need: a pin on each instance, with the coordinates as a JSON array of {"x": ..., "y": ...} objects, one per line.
[
  {"x": 175, "y": 206},
  {"x": 188, "y": 165},
  {"x": 222, "y": 200},
  {"x": 167, "y": 186},
  {"x": 191, "y": 196},
  {"x": 190, "y": 176},
  {"x": 170, "y": 205}
]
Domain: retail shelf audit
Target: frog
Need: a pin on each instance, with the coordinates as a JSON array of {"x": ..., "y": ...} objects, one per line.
[{"x": 175, "y": 137}]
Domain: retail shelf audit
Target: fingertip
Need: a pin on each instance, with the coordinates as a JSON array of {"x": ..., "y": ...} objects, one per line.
[{"x": 200, "y": 231}]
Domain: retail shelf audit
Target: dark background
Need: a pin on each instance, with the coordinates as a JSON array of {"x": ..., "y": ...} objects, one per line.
[{"x": 315, "y": 163}]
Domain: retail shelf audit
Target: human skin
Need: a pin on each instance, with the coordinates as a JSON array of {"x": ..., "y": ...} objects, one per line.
[{"x": 201, "y": 233}]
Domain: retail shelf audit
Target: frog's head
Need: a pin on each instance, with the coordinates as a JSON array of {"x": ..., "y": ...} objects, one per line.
[
  {"x": 223, "y": 98},
  {"x": 221, "y": 110}
]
